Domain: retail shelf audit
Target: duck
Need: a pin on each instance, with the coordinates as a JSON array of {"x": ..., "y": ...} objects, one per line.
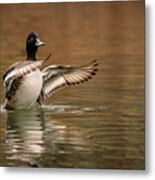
[{"x": 27, "y": 83}]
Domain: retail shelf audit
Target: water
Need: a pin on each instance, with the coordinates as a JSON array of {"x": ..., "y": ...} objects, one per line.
[{"x": 99, "y": 124}]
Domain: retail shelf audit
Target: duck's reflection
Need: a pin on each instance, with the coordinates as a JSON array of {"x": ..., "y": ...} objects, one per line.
[
  {"x": 36, "y": 137},
  {"x": 24, "y": 135}
]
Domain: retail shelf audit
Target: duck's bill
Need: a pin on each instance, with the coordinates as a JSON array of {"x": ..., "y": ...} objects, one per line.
[{"x": 39, "y": 43}]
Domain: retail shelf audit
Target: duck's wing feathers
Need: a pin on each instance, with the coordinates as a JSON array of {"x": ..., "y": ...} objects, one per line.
[
  {"x": 55, "y": 77},
  {"x": 20, "y": 69},
  {"x": 15, "y": 73}
]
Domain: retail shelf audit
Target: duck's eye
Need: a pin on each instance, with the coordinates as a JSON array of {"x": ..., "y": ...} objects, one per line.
[{"x": 31, "y": 39}]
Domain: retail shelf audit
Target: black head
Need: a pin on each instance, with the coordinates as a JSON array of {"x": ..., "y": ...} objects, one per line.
[{"x": 32, "y": 44}]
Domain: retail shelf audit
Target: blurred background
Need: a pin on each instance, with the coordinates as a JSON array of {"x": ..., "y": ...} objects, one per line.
[{"x": 103, "y": 118}]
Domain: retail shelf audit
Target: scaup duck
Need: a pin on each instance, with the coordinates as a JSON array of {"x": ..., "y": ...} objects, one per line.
[{"x": 25, "y": 83}]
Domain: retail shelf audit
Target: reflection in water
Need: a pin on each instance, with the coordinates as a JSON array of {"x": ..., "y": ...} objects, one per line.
[
  {"x": 24, "y": 136},
  {"x": 75, "y": 136},
  {"x": 30, "y": 139}
]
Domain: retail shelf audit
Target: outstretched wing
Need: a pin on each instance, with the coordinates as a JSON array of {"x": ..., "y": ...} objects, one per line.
[
  {"x": 55, "y": 77},
  {"x": 13, "y": 76}
]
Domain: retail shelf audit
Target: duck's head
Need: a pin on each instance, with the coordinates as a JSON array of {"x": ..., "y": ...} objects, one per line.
[{"x": 32, "y": 44}]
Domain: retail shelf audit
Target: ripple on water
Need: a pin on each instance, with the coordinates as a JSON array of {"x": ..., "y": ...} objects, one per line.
[{"x": 72, "y": 109}]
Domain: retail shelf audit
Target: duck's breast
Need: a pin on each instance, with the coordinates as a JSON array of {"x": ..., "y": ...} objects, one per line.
[{"x": 29, "y": 89}]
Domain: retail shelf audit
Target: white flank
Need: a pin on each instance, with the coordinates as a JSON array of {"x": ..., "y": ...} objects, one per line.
[{"x": 29, "y": 90}]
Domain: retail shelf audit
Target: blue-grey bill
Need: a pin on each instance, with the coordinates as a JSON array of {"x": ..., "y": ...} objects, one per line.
[{"x": 39, "y": 43}]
